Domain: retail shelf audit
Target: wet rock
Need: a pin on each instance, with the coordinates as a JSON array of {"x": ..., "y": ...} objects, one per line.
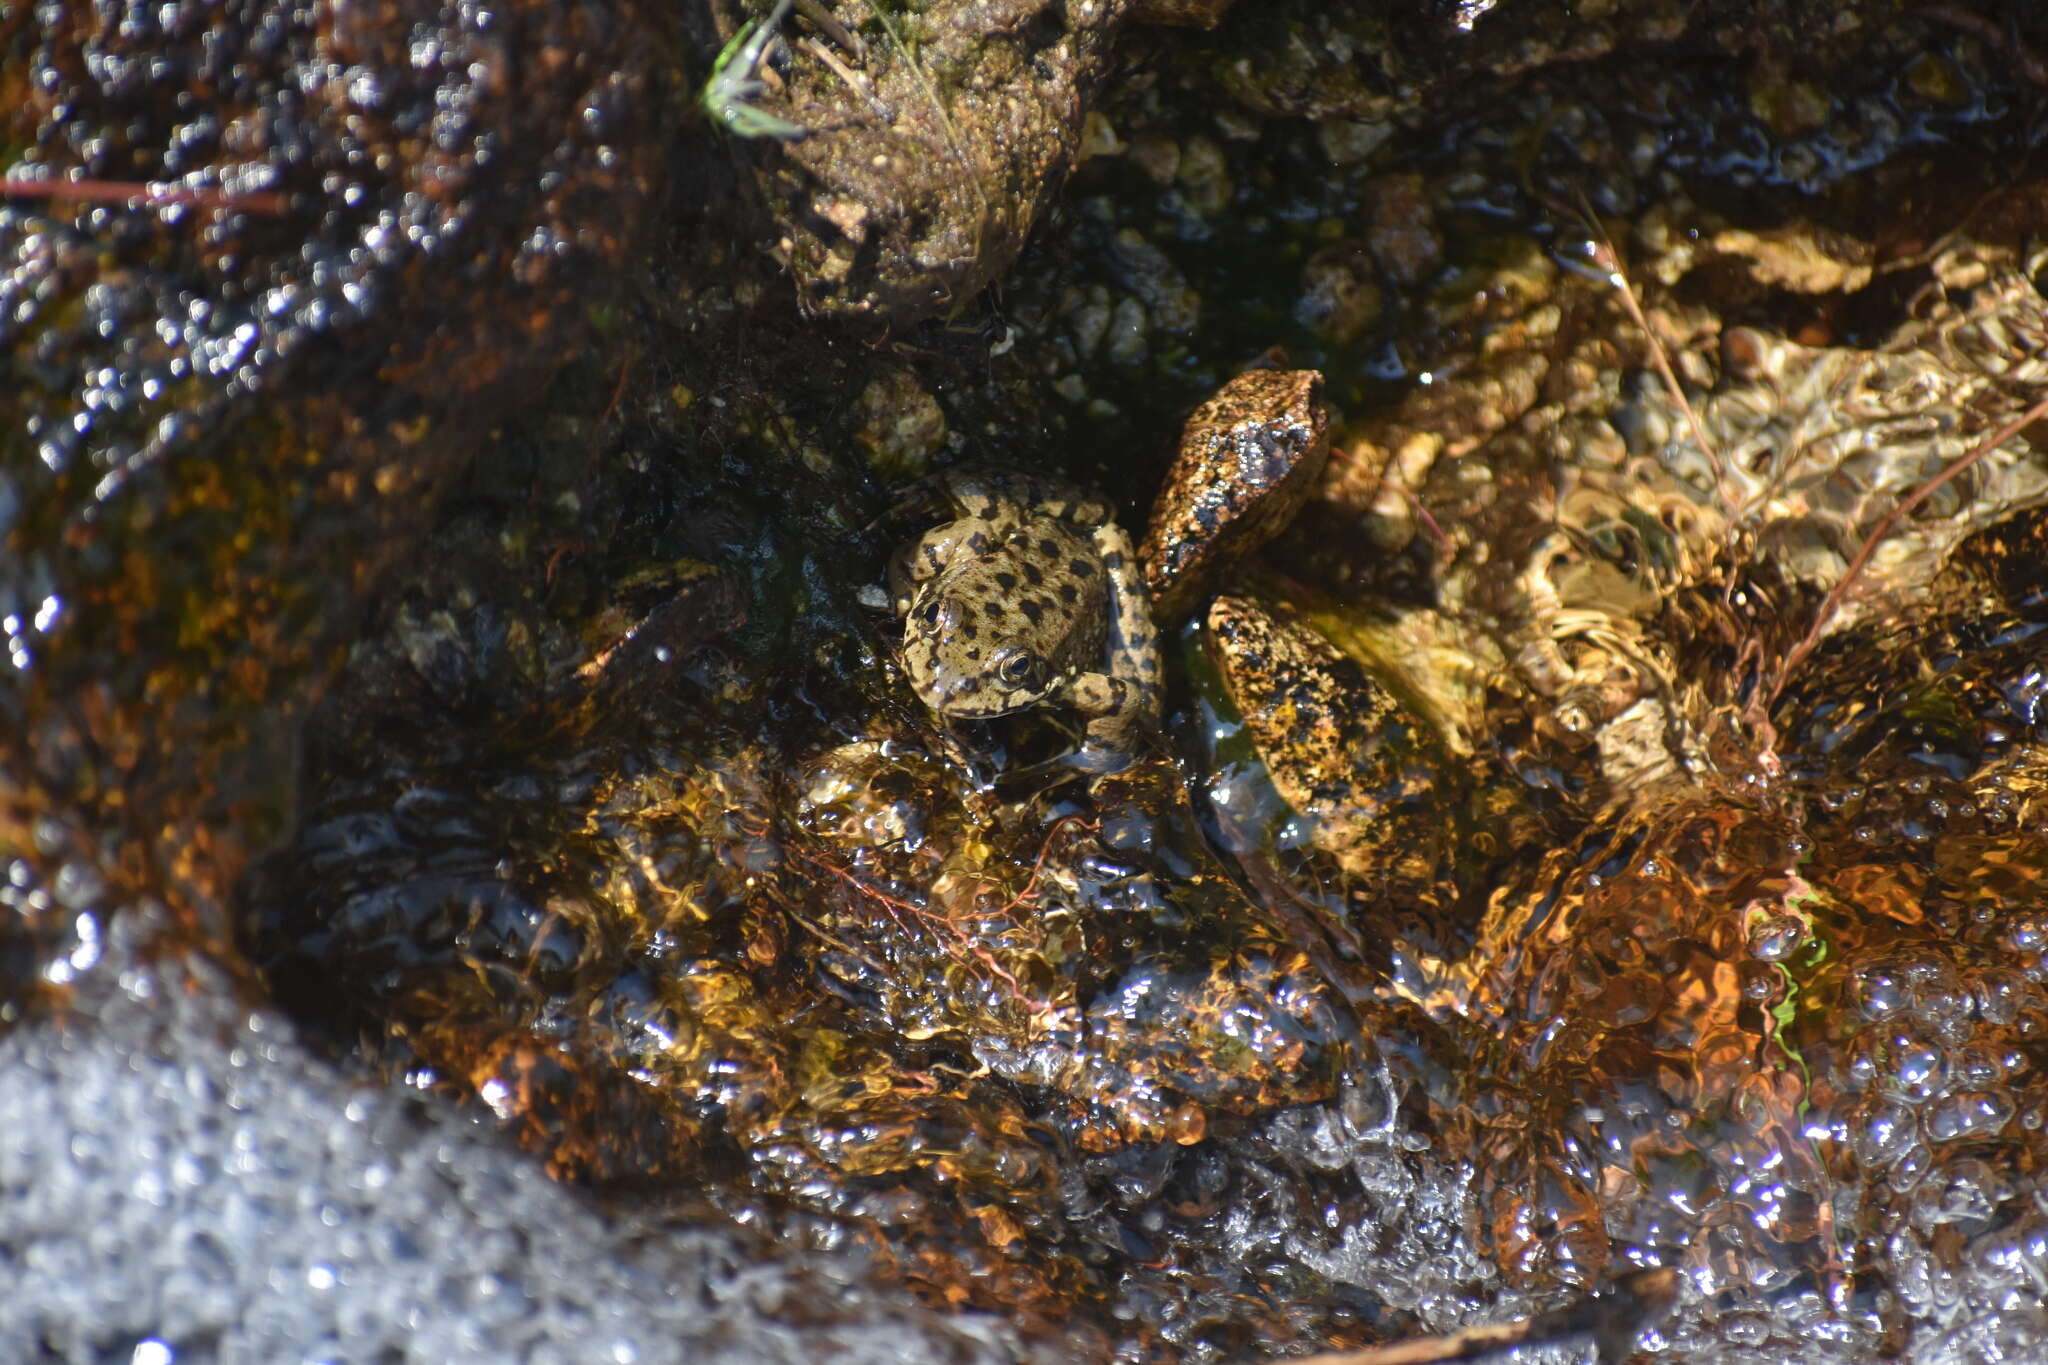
[
  {"x": 1190, "y": 13},
  {"x": 1249, "y": 457},
  {"x": 901, "y": 424},
  {"x": 1402, "y": 232},
  {"x": 932, "y": 151},
  {"x": 1340, "y": 298},
  {"x": 237, "y": 392}
]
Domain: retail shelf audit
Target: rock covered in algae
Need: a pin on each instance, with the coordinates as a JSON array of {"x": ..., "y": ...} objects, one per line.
[{"x": 932, "y": 145}]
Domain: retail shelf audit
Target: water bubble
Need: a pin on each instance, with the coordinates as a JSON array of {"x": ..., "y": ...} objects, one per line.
[
  {"x": 1967, "y": 1191},
  {"x": 1878, "y": 993},
  {"x": 1907, "y": 1171},
  {"x": 2020, "y": 1250},
  {"x": 1976, "y": 1066},
  {"x": 1776, "y": 938},
  {"x": 1762, "y": 985},
  {"x": 1745, "y": 1329},
  {"x": 2027, "y": 934},
  {"x": 1881, "y": 1129},
  {"x": 1918, "y": 1067},
  {"x": 1947, "y": 1009},
  {"x": 1968, "y": 1113}
]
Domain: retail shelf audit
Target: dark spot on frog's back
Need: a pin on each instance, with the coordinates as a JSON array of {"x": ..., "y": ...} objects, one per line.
[
  {"x": 1081, "y": 568},
  {"x": 1006, "y": 581},
  {"x": 1033, "y": 609},
  {"x": 1048, "y": 547},
  {"x": 1069, "y": 594},
  {"x": 1034, "y": 575}
]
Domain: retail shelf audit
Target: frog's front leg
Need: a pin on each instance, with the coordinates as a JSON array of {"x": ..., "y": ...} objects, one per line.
[
  {"x": 1124, "y": 702},
  {"x": 1118, "y": 711}
]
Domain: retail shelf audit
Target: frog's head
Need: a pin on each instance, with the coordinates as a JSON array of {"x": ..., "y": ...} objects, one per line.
[{"x": 965, "y": 668}]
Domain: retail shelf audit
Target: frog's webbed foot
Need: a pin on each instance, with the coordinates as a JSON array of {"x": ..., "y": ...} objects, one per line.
[{"x": 1099, "y": 760}]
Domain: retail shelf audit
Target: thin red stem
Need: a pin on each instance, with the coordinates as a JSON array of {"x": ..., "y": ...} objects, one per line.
[{"x": 150, "y": 194}]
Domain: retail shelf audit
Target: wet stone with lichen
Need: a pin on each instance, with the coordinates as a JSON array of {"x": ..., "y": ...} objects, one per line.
[{"x": 249, "y": 337}]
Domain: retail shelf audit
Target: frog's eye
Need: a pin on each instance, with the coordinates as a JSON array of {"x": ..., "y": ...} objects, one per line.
[{"x": 1017, "y": 667}]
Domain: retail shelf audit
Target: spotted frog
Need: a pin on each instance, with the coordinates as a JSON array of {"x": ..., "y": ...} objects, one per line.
[{"x": 1030, "y": 597}]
